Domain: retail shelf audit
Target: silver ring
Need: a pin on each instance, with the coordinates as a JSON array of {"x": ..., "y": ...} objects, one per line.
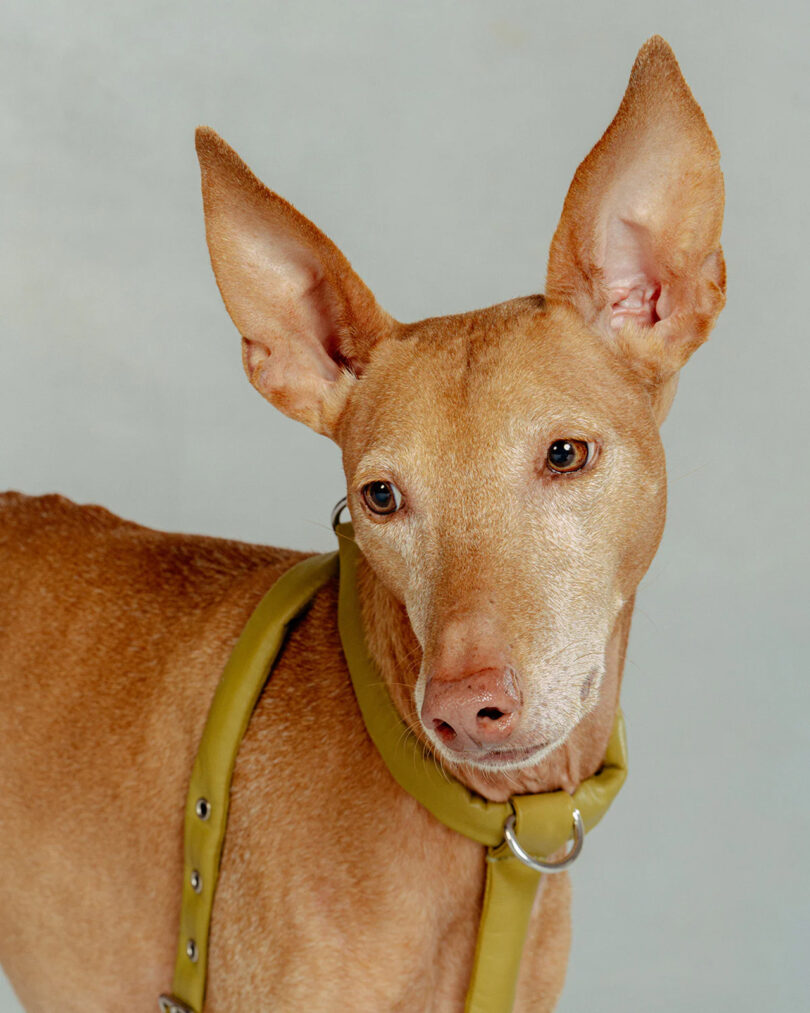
[
  {"x": 337, "y": 510},
  {"x": 168, "y": 1004},
  {"x": 535, "y": 863}
]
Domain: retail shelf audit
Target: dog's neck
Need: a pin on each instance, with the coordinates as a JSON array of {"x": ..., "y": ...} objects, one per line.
[{"x": 396, "y": 652}]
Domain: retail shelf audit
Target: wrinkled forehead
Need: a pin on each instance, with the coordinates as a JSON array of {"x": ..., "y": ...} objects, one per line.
[{"x": 487, "y": 384}]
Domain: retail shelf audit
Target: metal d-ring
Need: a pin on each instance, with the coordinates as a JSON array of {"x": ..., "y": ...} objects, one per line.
[
  {"x": 535, "y": 863},
  {"x": 168, "y": 1004},
  {"x": 337, "y": 510}
]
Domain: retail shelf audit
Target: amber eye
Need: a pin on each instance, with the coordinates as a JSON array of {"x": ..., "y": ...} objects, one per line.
[
  {"x": 382, "y": 497},
  {"x": 567, "y": 455}
]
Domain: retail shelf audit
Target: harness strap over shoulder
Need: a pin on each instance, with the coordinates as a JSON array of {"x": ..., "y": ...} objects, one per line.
[
  {"x": 208, "y": 798},
  {"x": 542, "y": 823}
]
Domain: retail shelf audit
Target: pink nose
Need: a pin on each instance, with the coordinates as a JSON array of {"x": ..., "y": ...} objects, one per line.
[{"x": 474, "y": 712}]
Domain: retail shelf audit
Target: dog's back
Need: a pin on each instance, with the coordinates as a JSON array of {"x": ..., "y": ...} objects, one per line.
[{"x": 112, "y": 638}]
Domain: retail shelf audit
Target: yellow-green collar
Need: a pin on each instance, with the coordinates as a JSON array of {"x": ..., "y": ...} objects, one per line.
[{"x": 542, "y": 822}]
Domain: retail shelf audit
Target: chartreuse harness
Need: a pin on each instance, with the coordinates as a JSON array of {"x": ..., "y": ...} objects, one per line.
[{"x": 511, "y": 831}]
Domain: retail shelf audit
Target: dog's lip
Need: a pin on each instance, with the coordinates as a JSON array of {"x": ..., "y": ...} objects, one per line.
[{"x": 496, "y": 757}]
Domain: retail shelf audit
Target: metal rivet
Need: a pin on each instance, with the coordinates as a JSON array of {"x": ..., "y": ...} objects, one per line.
[
  {"x": 203, "y": 808},
  {"x": 191, "y": 951},
  {"x": 196, "y": 881}
]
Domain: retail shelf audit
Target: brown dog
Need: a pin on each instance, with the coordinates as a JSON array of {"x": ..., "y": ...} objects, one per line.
[{"x": 506, "y": 480}]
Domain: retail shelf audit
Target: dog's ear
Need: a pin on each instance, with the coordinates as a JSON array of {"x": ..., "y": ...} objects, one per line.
[
  {"x": 637, "y": 251},
  {"x": 308, "y": 323}
]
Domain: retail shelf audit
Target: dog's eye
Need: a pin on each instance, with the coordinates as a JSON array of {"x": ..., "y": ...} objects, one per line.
[
  {"x": 382, "y": 497},
  {"x": 565, "y": 456}
]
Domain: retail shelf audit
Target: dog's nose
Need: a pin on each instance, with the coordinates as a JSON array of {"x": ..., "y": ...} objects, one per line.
[{"x": 476, "y": 711}]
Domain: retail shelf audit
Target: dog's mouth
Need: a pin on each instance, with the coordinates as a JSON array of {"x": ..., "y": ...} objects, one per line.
[
  {"x": 504, "y": 759},
  {"x": 496, "y": 757}
]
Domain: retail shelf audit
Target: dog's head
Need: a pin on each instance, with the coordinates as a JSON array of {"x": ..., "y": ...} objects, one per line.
[{"x": 504, "y": 470}]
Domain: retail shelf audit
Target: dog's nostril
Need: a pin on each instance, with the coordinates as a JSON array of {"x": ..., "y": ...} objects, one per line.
[
  {"x": 443, "y": 730},
  {"x": 490, "y": 712}
]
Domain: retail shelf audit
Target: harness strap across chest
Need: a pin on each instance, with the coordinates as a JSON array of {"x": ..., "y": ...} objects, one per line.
[{"x": 542, "y": 822}]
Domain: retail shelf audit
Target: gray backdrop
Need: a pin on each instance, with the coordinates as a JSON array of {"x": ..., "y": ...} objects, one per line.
[{"x": 434, "y": 142}]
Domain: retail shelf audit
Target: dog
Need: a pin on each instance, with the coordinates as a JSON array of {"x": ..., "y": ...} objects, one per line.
[{"x": 506, "y": 482}]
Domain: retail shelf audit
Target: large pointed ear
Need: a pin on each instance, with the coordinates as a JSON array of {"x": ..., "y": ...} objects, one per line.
[
  {"x": 637, "y": 250},
  {"x": 308, "y": 323}
]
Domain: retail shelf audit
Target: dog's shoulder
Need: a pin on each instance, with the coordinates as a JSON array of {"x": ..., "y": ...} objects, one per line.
[
  {"x": 74, "y": 561},
  {"x": 54, "y": 523},
  {"x": 20, "y": 513}
]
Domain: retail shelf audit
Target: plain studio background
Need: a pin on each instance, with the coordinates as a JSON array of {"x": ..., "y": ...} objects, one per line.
[{"x": 434, "y": 142}]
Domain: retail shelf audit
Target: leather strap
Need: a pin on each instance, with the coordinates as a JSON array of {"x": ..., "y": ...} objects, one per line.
[
  {"x": 543, "y": 822},
  {"x": 236, "y": 696}
]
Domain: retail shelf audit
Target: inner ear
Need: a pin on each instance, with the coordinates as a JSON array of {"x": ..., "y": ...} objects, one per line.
[
  {"x": 637, "y": 250},
  {"x": 632, "y": 279}
]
